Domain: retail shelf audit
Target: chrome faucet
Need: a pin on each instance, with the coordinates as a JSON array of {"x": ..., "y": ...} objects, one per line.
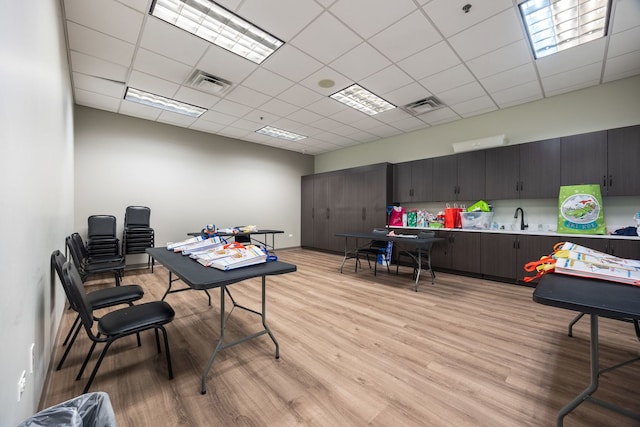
[{"x": 522, "y": 224}]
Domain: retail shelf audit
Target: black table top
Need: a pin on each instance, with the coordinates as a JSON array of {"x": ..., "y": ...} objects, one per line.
[
  {"x": 396, "y": 238},
  {"x": 591, "y": 296},
  {"x": 200, "y": 277},
  {"x": 239, "y": 233}
]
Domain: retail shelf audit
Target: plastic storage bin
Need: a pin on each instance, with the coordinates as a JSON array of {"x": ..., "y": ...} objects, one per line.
[{"x": 476, "y": 220}]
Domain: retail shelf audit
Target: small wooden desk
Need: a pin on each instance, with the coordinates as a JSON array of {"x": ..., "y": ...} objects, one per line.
[
  {"x": 596, "y": 298},
  {"x": 199, "y": 277}
]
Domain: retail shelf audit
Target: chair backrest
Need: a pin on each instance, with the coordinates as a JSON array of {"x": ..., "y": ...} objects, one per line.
[
  {"x": 78, "y": 296},
  {"x": 75, "y": 253},
  {"x": 101, "y": 226},
  {"x": 80, "y": 246},
  {"x": 137, "y": 216},
  {"x": 379, "y": 244},
  {"x": 57, "y": 262},
  {"x": 426, "y": 235}
]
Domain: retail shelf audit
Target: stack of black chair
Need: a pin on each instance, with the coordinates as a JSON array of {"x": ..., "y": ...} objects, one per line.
[
  {"x": 101, "y": 236},
  {"x": 137, "y": 235}
]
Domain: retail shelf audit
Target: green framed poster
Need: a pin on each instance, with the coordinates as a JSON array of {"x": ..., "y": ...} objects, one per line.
[{"x": 580, "y": 210}]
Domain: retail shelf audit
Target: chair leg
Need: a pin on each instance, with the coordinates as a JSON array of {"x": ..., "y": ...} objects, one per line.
[
  {"x": 75, "y": 323},
  {"x": 86, "y": 360},
  {"x": 166, "y": 349},
  {"x": 157, "y": 340},
  {"x": 95, "y": 368},
  {"x": 66, "y": 352}
]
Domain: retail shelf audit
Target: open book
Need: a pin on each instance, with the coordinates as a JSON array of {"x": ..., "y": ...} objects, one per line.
[
  {"x": 578, "y": 260},
  {"x": 230, "y": 257}
]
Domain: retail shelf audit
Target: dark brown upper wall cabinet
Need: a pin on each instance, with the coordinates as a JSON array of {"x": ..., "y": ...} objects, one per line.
[
  {"x": 412, "y": 181},
  {"x": 623, "y": 161},
  {"x": 459, "y": 177},
  {"x": 540, "y": 169},
  {"x": 583, "y": 159}
]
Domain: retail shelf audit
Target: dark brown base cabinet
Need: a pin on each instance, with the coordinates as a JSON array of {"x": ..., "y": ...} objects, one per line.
[{"x": 458, "y": 252}]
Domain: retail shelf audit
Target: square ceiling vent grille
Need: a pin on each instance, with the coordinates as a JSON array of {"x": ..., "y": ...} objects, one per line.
[
  {"x": 423, "y": 106},
  {"x": 209, "y": 83}
]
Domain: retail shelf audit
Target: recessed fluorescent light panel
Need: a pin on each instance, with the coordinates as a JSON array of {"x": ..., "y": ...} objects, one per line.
[
  {"x": 279, "y": 133},
  {"x": 361, "y": 99},
  {"x": 217, "y": 25},
  {"x": 553, "y": 26},
  {"x": 157, "y": 101}
]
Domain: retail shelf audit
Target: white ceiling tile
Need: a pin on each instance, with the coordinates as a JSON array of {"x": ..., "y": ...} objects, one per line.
[
  {"x": 139, "y": 5},
  {"x": 461, "y": 93},
  {"x": 195, "y": 97},
  {"x": 93, "y": 66},
  {"x": 206, "y": 126},
  {"x": 155, "y": 85},
  {"x": 406, "y": 37},
  {"x": 229, "y": 66},
  {"x": 392, "y": 116},
  {"x": 98, "y": 85},
  {"x": 407, "y": 94},
  {"x": 380, "y": 14},
  {"x": 514, "y": 77},
  {"x": 85, "y": 40},
  {"x": 304, "y": 116},
  {"x": 430, "y": 61},
  {"x": 494, "y": 33},
  {"x": 347, "y": 116},
  {"x": 326, "y": 73},
  {"x": 326, "y": 38},
  {"x": 247, "y": 125},
  {"x": 267, "y": 82},
  {"x": 326, "y": 107},
  {"x": 450, "y": 19},
  {"x": 387, "y": 80},
  {"x": 245, "y": 96},
  {"x": 575, "y": 78},
  {"x": 270, "y": 16},
  {"x": 278, "y": 107},
  {"x": 439, "y": 116},
  {"x": 622, "y": 66},
  {"x": 626, "y": 15},
  {"x": 96, "y": 100},
  {"x": 161, "y": 66},
  {"x": 624, "y": 42},
  {"x": 165, "y": 39},
  {"x": 291, "y": 63},
  {"x": 505, "y": 58},
  {"x": 409, "y": 124},
  {"x": 106, "y": 16},
  {"x": 360, "y": 62},
  {"x": 327, "y": 124},
  {"x": 572, "y": 59},
  {"x": 446, "y": 80},
  {"x": 218, "y": 117},
  {"x": 233, "y": 132},
  {"x": 176, "y": 119},
  {"x": 474, "y": 107},
  {"x": 518, "y": 94},
  {"x": 231, "y": 108},
  {"x": 261, "y": 117},
  {"x": 300, "y": 96}
]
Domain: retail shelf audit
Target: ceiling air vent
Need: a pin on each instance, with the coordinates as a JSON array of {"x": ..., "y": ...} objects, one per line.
[
  {"x": 209, "y": 83},
  {"x": 423, "y": 106}
]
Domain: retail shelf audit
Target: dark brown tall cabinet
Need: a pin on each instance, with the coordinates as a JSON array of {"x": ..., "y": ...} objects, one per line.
[{"x": 349, "y": 200}]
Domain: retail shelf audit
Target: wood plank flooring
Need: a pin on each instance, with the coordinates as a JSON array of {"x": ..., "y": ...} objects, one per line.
[{"x": 360, "y": 350}]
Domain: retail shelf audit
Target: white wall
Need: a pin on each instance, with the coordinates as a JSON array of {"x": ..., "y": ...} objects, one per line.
[
  {"x": 187, "y": 178},
  {"x": 36, "y": 197},
  {"x": 611, "y": 105}
]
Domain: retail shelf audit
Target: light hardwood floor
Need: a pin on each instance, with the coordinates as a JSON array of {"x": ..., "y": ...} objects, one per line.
[{"x": 360, "y": 350}]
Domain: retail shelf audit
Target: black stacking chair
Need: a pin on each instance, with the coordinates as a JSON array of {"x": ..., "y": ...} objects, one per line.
[
  {"x": 101, "y": 235},
  {"x": 137, "y": 234},
  {"x": 90, "y": 266},
  {"x": 374, "y": 248},
  {"x": 425, "y": 254},
  {"x": 116, "y": 324},
  {"x": 102, "y": 298},
  {"x": 242, "y": 239}
]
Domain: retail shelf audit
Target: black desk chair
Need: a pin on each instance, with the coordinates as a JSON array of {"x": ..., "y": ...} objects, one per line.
[
  {"x": 374, "y": 248},
  {"x": 116, "y": 324},
  {"x": 89, "y": 266},
  {"x": 101, "y": 298},
  {"x": 425, "y": 254}
]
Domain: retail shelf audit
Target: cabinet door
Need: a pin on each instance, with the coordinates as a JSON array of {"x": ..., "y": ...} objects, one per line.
[
  {"x": 601, "y": 245},
  {"x": 583, "y": 159},
  {"x": 498, "y": 255},
  {"x": 421, "y": 180},
  {"x": 503, "y": 173},
  {"x": 466, "y": 252},
  {"x": 445, "y": 178},
  {"x": 540, "y": 169},
  {"x": 629, "y": 249},
  {"x": 354, "y": 184},
  {"x": 623, "y": 156},
  {"x": 440, "y": 251},
  {"x": 471, "y": 176},
  {"x": 328, "y": 204},
  {"x": 532, "y": 248},
  {"x": 376, "y": 198},
  {"x": 336, "y": 211},
  {"x": 307, "y": 212},
  {"x": 402, "y": 189}
]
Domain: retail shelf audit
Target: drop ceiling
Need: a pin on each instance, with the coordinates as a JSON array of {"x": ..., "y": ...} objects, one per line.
[{"x": 401, "y": 50}]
